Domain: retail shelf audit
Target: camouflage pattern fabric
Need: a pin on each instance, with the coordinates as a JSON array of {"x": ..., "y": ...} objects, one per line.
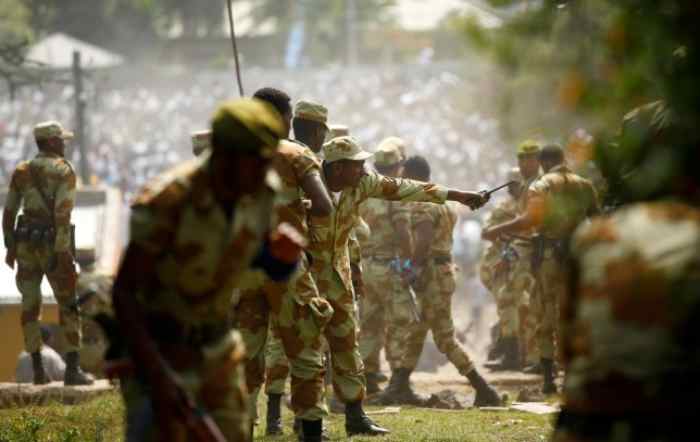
[
  {"x": 94, "y": 342},
  {"x": 57, "y": 180},
  {"x": 331, "y": 268},
  {"x": 294, "y": 310},
  {"x": 276, "y": 364},
  {"x": 384, "y": 290},
  {"x": 557, "y": 202},
  {"x": 202, "y": 256},
  {"x": 629, "y": 324},
  {"x": 435, "y": 288}
]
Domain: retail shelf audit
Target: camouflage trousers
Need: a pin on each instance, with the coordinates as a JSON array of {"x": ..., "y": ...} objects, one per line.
[
  {"x": 32, "y": 265},
  {"x": 276, "y": 364},
  {"x": 548, "y": 292},
  {"x": 435, "y": 298},
  {"x": 298, "y": 316},
  {"x": 216, "y": 384},
  {"x": 384, "y": 312},
  {"x": 514, "y": 306}
]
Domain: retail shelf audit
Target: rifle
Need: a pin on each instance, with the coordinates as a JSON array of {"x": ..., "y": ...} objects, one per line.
[{"x": 402, "y": 269}]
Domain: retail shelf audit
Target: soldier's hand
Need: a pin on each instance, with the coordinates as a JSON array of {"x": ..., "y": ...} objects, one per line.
[
  {"x": 286, "y": 243},
  {"x": 473, "y": 199},
  {"x": 10, "y": 258}
]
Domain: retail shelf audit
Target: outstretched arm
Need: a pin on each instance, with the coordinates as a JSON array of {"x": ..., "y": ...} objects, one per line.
[{"x": 316, "y": 191}]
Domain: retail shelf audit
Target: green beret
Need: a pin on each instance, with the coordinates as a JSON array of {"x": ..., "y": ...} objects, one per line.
[{"x": 528, "y": 147}]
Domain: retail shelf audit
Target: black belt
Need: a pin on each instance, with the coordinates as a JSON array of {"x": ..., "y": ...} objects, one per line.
[
  {"x": 642, "y": 427},
  {"x": 164, "y": 328}
]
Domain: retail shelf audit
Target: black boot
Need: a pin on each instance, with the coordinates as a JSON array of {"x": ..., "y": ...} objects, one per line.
[
  {"x": 486, "y": 395},
  {"x": 510, "y": 361},
  {"x": 310, "y": 431},
  {"x": 74, "y": 375},
  {"x": 372, "y": 383},
  {"x": 357, "y": 422},
  {"x": 274, "y": 415},
  {"x": 548, "y": 387},
  {"x": 40, "y": 377}
]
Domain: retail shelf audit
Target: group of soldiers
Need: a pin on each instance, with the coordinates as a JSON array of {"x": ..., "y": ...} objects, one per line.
[{"x": 266, "y": 257}]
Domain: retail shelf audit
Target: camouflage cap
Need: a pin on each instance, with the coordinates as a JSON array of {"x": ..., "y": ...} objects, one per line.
[
  {"x": 51, "y": 129},
  {"x": 344, "y": 148},
  {"x": 201, "y": 141},
  {"x": 391, "y": 150},
  {"x": 337, "y": 130},
  {"x": 247, "y": 125},
  {"x": 309, "y": 110},
  {"x": 528, "y": 147}
]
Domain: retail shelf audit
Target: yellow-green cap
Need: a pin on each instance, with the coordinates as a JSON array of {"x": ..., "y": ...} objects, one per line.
[
  {"x": 201, "y": 141},
  {"x": 344, "y": 148},
  {"x": 528, "y": 147},
  {"x": 309, "y": 110},
  {"x": 51, "y": 129},
  {"x": 247, "y": 125}
]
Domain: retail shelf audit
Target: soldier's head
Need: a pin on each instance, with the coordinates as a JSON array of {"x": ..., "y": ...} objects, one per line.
[
  {"x": 344, "y": 162},
  {"x": 528, "y": 158},
  {"x": 388, "y": 159},
  {"x": 201, "y": 141},
  {"x": 337, "y": 130},
  {"x": 50, "y": 136},
  {"x": 310, "y": 124},
  {"x": 417, "y": 168},
  {"x": 280, "y": 101},
  {"x": 245, "y": 135},
  {"x": 551, "y": 155},
  {"x": 515, "y": 178}
]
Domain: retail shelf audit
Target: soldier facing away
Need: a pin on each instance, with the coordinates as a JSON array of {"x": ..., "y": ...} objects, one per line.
[
  {"x": 42, "y": 242},
  {"x": 196, "y": 232}
]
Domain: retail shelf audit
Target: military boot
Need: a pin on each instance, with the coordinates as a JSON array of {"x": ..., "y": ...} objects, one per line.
[
  {"x": 372, "y": 383},
  {"x": 548, "y": 386},
  {"x": 357, "y": 422},
  {"x": 40, "y": 377},
  {"x": 274, "y": 415},
  {"x": 486, "y": 395},
  {"x": 510, "y": 361},
  {"x": 310, "y": 431},
  {"x": 74, "y": 375}
]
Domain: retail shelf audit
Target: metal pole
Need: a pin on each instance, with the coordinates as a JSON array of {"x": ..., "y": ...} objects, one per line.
[
  {"x": 80, "y": 118},
  {"x": 234, "y": 46}
]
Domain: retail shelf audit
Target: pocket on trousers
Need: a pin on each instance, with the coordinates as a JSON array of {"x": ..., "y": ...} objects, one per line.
[{"x": 446, "y": 276}]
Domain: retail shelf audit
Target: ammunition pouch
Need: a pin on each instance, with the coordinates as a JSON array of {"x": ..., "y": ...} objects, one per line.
[{"x": 35, "y": 232}]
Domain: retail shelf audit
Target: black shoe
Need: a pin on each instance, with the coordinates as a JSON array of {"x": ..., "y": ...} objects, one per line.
[
  {"x": 511, "y": 356},
  {"x": 40, "y": 377},
  {"x": 496, "y": 349},
  {"x": 310, "y": 431},
  {"x": 548, "y": 386},
  {"x": 74, "y": 375},
  {"x": 274, "y": 415},
  {"x": 400, "y": 392},
  {"x": 486, "y": 395},
  {"x": 378, "y": 376},
  {"x": 357, "y": 422},
  {"x": 372, "y": 381}
]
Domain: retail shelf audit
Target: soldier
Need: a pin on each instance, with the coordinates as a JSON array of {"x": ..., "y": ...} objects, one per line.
[
  {"x": 294, "y": 311},
  {"x": 42, "y": 243},
  {"x": 201, "y": 141},
  {"x": 337, "y": 130},
  {"x": 515, "y": 293},
  {"x": 499, "y": 256},
  {"x": 385, "y": 290},
  {"x": 344, "y": 173},
  {"x": 435, "y": 282},
  {"x": 557, "y": 202},
  {"x": 196, "y": 231},
  {"x": 630, "y": 315}
]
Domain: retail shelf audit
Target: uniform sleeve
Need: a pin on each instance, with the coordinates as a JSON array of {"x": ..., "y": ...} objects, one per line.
[
  {"x": 304, "y": 164},
  {"x": 63, "y": 207},
  {"x": 354, "y": 248},
  {"x": 536, "y": 203},
  {"x": 148, "y": 230},
  {"x": 397, "y": 189},
  {"x": 12, "y": 205}
]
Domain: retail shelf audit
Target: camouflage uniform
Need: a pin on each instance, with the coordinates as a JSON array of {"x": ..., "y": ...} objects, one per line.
[
  {"x": 629, "y": 327},
  {"x": 42, "y": 232},
  {"x": 331, "y": 261},
  {"x": 557, "y": 203},
  {"x": 294, "y": 310},
  {"x": 435, "y": 288},
  {"x": 200, "y": 257}
]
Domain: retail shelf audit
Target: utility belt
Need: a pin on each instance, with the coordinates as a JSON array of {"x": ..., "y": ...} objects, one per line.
[
  {"x": 35, "y": 231},
  {"x": 641, "y": 427},
  {"x": 541, "y": 244},
  {"x": 164, "y": 328},
  {"x": 441, "y": 259}
]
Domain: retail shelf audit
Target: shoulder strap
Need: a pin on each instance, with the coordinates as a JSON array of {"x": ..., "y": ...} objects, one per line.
[{"x": 35, "y": 183}]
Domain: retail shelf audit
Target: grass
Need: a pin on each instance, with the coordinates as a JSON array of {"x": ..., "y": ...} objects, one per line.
[{"x": 102, "y": 420}]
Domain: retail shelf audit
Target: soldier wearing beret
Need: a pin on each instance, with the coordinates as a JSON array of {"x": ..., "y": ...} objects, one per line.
[{"x": 42, "y": 243}]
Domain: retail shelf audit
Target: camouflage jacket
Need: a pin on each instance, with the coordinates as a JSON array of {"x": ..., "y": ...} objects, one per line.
[
  {"x": 505, "y": 211},
  {"x": 559, "y": 200},
  {"x": 443, "y": 218},
  {"x": 293, "y": 162},
  {"x": 629, "y": 321},
  {"x": 57, "y": 179},
  {"x": 202, "y": 254},
  {"x": 381, "y": 217},
  {"x": 330, "y": 235}
]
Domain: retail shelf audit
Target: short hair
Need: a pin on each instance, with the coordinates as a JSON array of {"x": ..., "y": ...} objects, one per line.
[
  {"x": 304, "y": 129},
  {"x": 417, "y": 168},
  {"x": 552, "y": 153},
  {"x": 277, "y": 98}
]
